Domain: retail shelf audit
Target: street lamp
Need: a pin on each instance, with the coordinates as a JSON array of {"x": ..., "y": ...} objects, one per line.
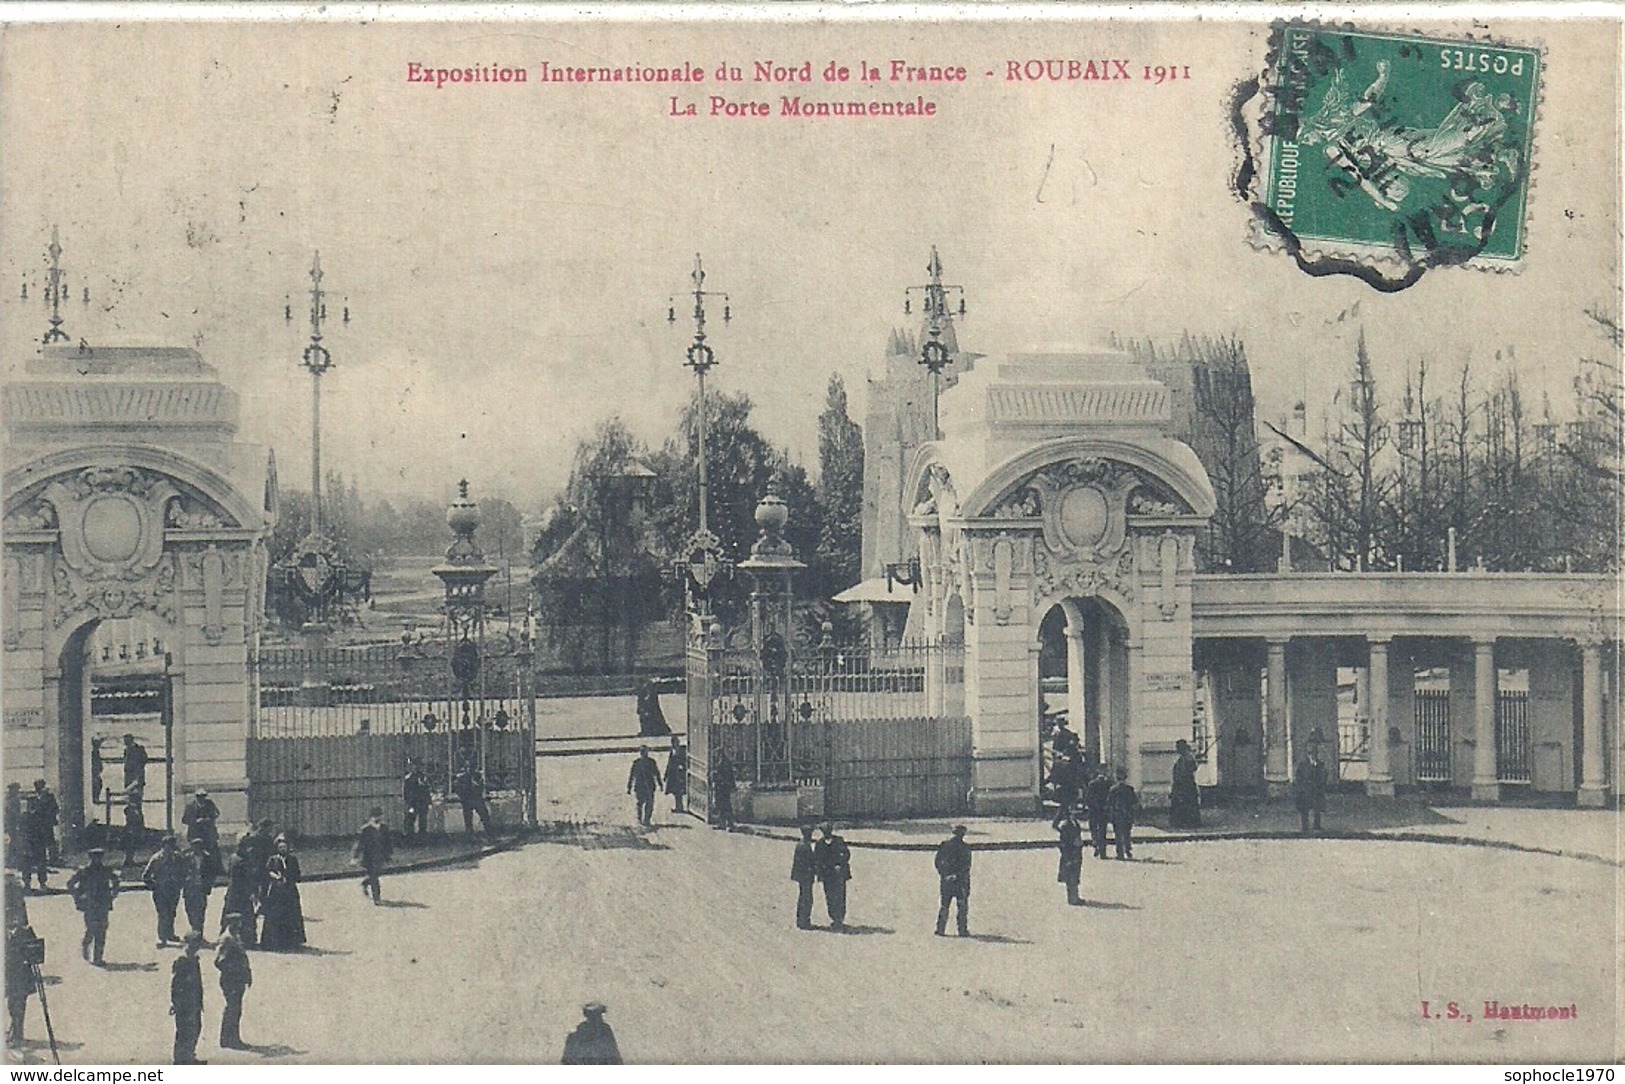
[
  {"x": 934, "y": 353},
  {"x": 463, "y": 574},
  {"x": 703, "y": 546}
]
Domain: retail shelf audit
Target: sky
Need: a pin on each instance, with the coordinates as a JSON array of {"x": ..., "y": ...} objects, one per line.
[{"x": 508, "y": 252}]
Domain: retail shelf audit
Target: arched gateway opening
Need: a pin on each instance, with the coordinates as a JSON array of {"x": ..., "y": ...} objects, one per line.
[
  {"x": 1082, "y": 680},
  {"x": 134, "y": 534}
]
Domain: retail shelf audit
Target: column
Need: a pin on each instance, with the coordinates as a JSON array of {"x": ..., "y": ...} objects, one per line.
[
  {"x": 1379, "y": 777},
  {"x": 1275, "y": 751},
  {"x": 1593, "y": 782},
  {"x": 1485, "y": 787}
]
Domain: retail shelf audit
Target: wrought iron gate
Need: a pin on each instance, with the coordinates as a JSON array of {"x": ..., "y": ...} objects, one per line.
[
  {"x": 1433, "y": 735},
  {"x": 1512, "y": 760},
  {"x": 317, "y": 764}
]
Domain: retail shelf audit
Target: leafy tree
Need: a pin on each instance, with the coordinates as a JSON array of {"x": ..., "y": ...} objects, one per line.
[{"x": 839, "y": 492}]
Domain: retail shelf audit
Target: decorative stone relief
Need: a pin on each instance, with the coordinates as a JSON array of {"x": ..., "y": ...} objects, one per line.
[
  {"x": 1003, "y": 563},
  {"x": 11, "y": 587},
  {"x": 36, "y": 515},
  {"x": 1053, "y": 577},
  {"x": 153, "y": 590},
  {"x": 184, "y": 514},
  {"x": 1168, "y": 564},
  {"x": 214, "y": 585}
]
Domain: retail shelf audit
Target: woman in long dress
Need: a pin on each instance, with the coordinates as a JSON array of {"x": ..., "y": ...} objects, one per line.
[
  {"x": 241, "y": 880},
  {"x": 1184, "y": 800},
  {"x": 284, "y": 926},
  {"x": 651, "y": 720}
]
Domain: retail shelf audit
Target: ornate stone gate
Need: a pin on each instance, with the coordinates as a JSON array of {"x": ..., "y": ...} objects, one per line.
[
  {"x": 127, "y": 495},
  {"x": 1055, "y": 484}
]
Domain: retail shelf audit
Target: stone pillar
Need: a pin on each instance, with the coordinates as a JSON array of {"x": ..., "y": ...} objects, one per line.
[
  {"x": 1379, "y": 777},
  {"x": 1485, "y": 787},
  {"x": 1593, "y": 780},
  {"x": 1077, "y": 680},
  {"x": 1276, "y": 768}
]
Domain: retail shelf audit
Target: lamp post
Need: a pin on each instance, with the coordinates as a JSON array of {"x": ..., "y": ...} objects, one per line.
[
  {"x": 934, "y": 354},
  {"x": 703, "y": 546},
  {"x": 463, "y": 574}
]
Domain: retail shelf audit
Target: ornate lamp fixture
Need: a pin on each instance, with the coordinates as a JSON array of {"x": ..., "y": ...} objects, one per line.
[
  {"x": 934, "y": 353},
  {"x": 704, "y": 549}
]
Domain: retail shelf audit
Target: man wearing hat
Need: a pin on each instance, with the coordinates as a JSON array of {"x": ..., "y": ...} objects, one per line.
[
  {"x": 592, "y": 1042},
  {"x": 186, "y": 999},
  {"x": 165, "y": 876},
  {"x": 953, "y": 870},
  {"x": 93, "y": 888},
  {"x": 48, "y": 813},
  {"x": 201, "y": 818},
  {"x": 803, "y": 871},
  {"x": 196, "y": 886},
  {"x": 372, "y": 852},
  {"x": 236, "y": 976},
  {"x": 833, "y": 860}
]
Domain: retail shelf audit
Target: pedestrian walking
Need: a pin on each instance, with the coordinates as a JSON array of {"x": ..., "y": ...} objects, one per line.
[
  {"x": 201, "y": 817},
  {"x": 236, "y": 976},
  {"x": 242, "y": 883},
  {"x": 592, "y": 1042},
  {"x": 417, "y": 797},
  {"x": 186, "y": 999},
  {"x": 33, "y": 843},
  {"x": 1123, "y": 802},
  {"x": 804, "y": 871},
  {"x": 469, "y": 786},
  {"x": 135, "y": 821},
  {"x": 677, "y": 774},
  {"x": 165, "y": 877},
  {"x": 651, "y": 720},
  {"x": 282, "y": 911},
  {"x": 372, "y": 853},
  {"x": 642, "y": 782},
  {"x": 953, "y": 875},
  {"x": 722, "y": 789},
  {"x": 1309, "y": 789},
  {"x": 1098, "y": 802},
  {"x": 196, "y": 887},
  {"x": 1071, "y": 871},
  {"x": 1184, "y": 799},
  {"x": 832, "y": 859},
  {"x": 47, "y": 814},
  {"x": 93, "y": 888}
]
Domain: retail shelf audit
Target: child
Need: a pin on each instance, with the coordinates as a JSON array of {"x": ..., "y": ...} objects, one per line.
[{"x": 1123, "y": 803}]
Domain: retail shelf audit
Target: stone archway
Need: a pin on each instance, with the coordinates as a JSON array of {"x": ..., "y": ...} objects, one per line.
[{"x": 129, "y": 497}]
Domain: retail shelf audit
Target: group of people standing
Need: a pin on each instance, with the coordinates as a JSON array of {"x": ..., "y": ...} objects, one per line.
[
  {"x": 31, "y": 839},
  {"x": 826, "y": 861}
]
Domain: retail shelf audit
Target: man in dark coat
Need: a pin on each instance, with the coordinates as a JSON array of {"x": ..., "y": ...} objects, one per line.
[
  {"x": 1309, "y": 789},
  {"x": 256, "y": 847},
  {"x": 722, "y": 785},
  {"x": 135, "y": 821},
  {"x": 372, "y": 853},
  {"x": 1071, "y": 870},
  {"x": 201, "y": 818},
  {"x": 1124, "y": 802},
  {"x": 953, "y": 873},
  {"x": 93, "y": 889},
  {"x": 1065, "y": 774},
  {"x": 165, "y": 876},
  {"x": 21, "y": 981},
  {"x": 677, "y": 774},
  {"x": 416, "y": 796},
  {"x": 804, "y": 872},
  {"x": 236, "y": 976},
  {"x": 832, "y": 859},
  {"x": 242, "y": 885},
  {"x": 196, "y": 886},
  {"x": 186, "y": 1000},
  {"x": 47, "y": 814},
  {"x": 592, "y": 1042},
  {"x": 135, "y": 762},
  {"x": 469, "y": 786},
  {"x": 32, "y": 843},
  {"x": 1098, "y": 800},
  {"x": 642, "y": 782}
]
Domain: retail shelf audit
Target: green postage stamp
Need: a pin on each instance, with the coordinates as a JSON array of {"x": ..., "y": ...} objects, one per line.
[{"x": 1386, "y": 147}]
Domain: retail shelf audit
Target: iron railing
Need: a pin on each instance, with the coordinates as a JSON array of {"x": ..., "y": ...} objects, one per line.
[
  {"x": 1512, "y": 753},
  {"x": 1433, "y": 736}
]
